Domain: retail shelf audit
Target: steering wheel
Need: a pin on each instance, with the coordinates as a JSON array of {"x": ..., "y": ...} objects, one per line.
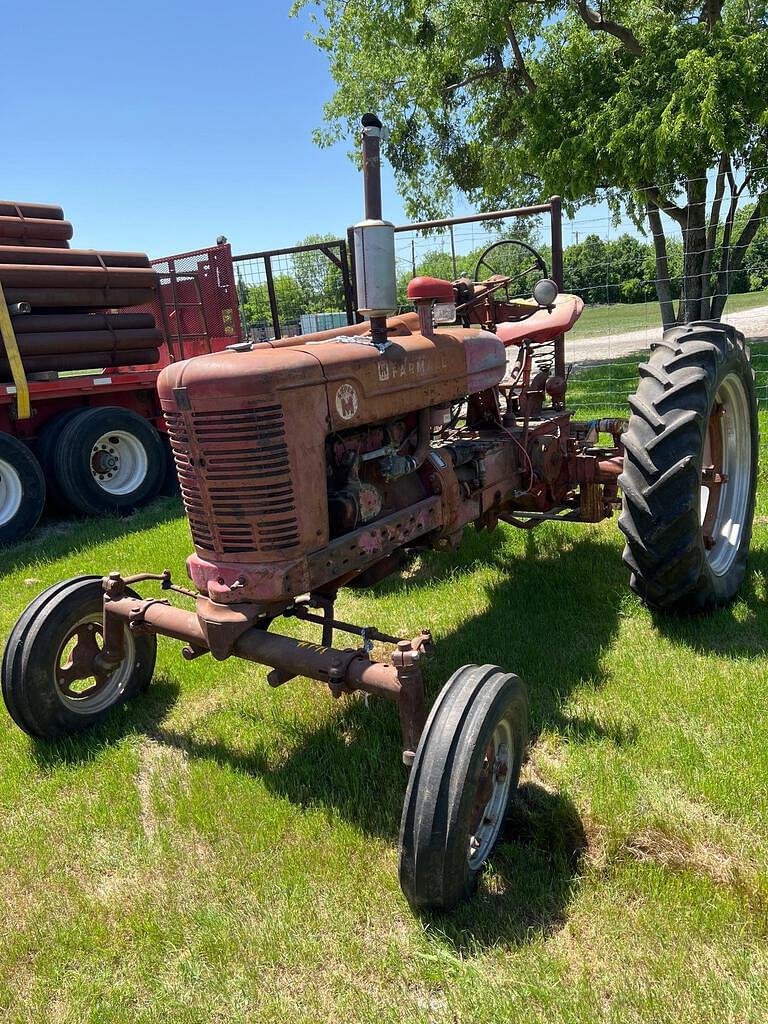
[
  {"x": 497, "y": 281},
  {"x": 537, "y": 264}
]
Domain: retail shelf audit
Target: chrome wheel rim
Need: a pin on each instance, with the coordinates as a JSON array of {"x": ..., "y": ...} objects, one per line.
[
  {"x": 492, "y": 795},
  {"x": 726, "y": 475},
  {"x": 119, "y": 462},
  {"x": 11, "y": 492},
  {"x": 79, "y": 685}
]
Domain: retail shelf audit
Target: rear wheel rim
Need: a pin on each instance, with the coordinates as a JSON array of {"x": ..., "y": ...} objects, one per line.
[
  {"x": 11, "y": 492},
  {"x": 79, "y": 685},
  {"x": 119, "y": 462},
  {"x": 492, "y": 795},
  {"x": 726, "y": 475}
]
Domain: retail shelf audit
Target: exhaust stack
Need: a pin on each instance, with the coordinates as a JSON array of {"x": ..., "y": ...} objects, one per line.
[{"x": 374, "y": 240}]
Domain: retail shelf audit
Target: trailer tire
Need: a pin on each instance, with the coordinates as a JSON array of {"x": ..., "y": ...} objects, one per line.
[
  {"x": 36, "y": 699},
  {"x": 44, "y": 449},
  {"x": 693, "y": 423},
  {"x": 457, "y": 798},
  {"x": 170, "y": 486},
  {"x": 108, "y": 460},
  {"x": 22, "y": 490}
]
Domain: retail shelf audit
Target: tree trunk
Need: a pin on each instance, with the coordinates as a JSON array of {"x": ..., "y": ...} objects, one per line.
[
  {"x": 733, "y": 255},
  {"x": 694, "y": 249},
  {"x": 713, "y": 224},
  {"x": 663, "y": 288}
]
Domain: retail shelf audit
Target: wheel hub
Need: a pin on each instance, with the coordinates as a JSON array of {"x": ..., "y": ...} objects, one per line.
[
  {"x": 81, "y": 682},
  {"x": 726, "y": 475},
  {"x": 11, "y": 492},
  {"x": 491, "y": 795},
  {"x": 119, "y": 462}
]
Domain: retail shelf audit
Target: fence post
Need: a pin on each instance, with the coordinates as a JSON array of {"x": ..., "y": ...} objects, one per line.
[
  {"x": 356, "y": 319},
  {"x": 556, "y": 224},
  {"x": 272, "y": 297},
  {"x": 349, "y": 298}
]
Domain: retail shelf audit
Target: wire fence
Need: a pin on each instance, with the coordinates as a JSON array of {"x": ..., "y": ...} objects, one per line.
[
  {"x": 299, "y": 290},
  {"x": 610, "y": 260}
]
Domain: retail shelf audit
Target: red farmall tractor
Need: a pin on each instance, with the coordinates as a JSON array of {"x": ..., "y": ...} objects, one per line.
[{"x": 310, "y": 463}]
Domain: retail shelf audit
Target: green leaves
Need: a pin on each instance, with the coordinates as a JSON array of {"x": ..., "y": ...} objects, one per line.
[{"x": 508, "y": 102}]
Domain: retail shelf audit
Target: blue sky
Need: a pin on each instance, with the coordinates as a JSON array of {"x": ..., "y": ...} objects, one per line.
[{"x": 160, "y": 125}]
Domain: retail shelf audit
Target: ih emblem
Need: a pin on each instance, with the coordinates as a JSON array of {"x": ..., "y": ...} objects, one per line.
[{"x": 346, "y": 402}]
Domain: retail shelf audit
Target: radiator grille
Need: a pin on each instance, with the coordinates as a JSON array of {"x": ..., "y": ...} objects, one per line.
[{"x": 234, "y": 473}]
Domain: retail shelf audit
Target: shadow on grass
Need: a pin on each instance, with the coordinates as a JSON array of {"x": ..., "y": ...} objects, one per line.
[
  {"x": 549, "y": 620},
  {"x": 733, "y": 631},
  {"x": 141, "y": 716},
  {"x": 56, "y": 537},
  {"x": 533, "y": 876}
]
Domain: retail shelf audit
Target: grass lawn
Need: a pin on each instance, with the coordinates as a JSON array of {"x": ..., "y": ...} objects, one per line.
[
  {"x": 597, "y": 320},
  {"x": 221, "y": 851}
]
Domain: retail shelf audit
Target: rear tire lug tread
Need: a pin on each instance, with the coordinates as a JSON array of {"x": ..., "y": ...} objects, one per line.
[{"x": 664, "y": 545}]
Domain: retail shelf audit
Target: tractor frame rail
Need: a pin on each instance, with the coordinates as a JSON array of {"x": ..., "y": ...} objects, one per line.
[{"x": 243, "y": 632}]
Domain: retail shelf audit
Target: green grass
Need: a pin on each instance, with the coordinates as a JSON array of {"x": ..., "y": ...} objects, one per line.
[
  {"x": 221, "y": 851},
  {"x": 603, "y": 320},
  {"x": 601, "y": 389}
]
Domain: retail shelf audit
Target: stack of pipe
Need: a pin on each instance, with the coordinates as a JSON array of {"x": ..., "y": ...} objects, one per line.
[
  {"x": 59, "y": 297},
  {"x": 35, "y": 224}
]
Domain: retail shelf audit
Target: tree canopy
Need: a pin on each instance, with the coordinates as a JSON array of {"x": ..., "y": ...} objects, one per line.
[{"x": 659, "y": 105}]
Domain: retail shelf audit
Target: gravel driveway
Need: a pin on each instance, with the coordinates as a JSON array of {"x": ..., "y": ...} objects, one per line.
[{"x": 604, "y": 347}]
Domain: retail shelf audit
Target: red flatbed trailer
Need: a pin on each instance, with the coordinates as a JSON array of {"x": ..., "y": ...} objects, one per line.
[{"x": 96, "y": 442}]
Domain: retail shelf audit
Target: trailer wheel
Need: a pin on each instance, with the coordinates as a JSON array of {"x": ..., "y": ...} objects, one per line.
[
  {"x": 51, "y": 682},
  {"x": 22, "y": 490},
  {"x": 466, "y": 770},
  {"x": 108, "y": 460},
  {"x": 690, "y": 469},
  {"x": 45, "y": 446}
]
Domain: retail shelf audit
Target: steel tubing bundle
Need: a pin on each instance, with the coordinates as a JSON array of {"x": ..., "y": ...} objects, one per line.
[
  {"x": 85, "y": 361},
  {"x": 41, "y": 323},
  {"x": 42, "y": 211},
  {"x": 35, "y": 227},
  {"x": 19, "y": 275},
  {"x": 58, "y": 343},
  {"x": 37, "y": 243},
  {"x": 46, "y": 256},
  {"x": 58, "y": 296},
  {"x": 81, "y": 298}
]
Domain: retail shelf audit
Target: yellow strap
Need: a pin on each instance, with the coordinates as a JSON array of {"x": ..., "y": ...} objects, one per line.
[{"x": 8, "y": 335}]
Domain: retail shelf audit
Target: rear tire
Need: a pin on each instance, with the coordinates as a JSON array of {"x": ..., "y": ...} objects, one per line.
[
  {"x": 39, "y": 687},
  {"x": 690, "y": 470},
  {"x": 108, "y": 460},
  {"x": 466, "y": 770},
  {"x": 22, "y": 490}
]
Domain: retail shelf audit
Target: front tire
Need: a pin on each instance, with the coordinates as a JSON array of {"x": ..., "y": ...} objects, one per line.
[
  {"x": 690, "y": 470},
  {"x": 465, "y": 773},
  {"x": 48, "y": 682}
]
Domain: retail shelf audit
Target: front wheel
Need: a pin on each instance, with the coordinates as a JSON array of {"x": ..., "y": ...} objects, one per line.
[
  {"x": 466, "y": 770},
  {"x": 51, "y": 680},
  {"x": 690, "y": 470}
]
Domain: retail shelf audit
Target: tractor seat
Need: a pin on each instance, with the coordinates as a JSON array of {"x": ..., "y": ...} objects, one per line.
[{"x": 544, "y": 325}]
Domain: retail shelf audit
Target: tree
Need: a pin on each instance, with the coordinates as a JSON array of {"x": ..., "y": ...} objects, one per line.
[
  {"x": 290, "y": 301},
  {"x": 661, "y": 104},
  {"x": 318, "y": 277}
]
